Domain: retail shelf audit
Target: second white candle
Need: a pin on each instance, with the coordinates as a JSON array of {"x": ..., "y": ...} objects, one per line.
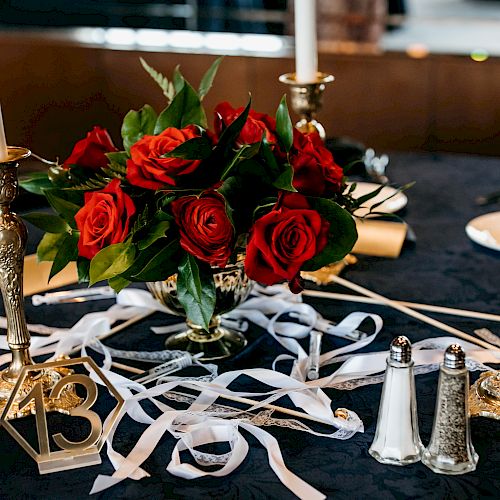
[{"x": 306, "y": 46}]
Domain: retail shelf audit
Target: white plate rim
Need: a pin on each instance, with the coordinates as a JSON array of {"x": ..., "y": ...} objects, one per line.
[
  {"x": 395, "y": 204},
  {"x": 472, "y": 231}
]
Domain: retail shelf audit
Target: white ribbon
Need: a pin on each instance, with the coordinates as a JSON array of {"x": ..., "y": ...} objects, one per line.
[{"x": 194, "y": 426}]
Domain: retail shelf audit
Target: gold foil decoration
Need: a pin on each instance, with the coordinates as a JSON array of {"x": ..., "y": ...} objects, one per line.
[
  {"x": 324, "y": 275},
  {"x": 484, "y": 396}
]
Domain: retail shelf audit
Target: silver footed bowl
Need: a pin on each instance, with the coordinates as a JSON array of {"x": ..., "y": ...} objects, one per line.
[{"x": 232, "y": 287}]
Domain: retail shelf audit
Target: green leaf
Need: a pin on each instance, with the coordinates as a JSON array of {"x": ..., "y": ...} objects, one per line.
[
  {"x": 58, "y": 175},
  {"x": 158, "y": 267},
  {"x": 178, "y": 79},
  {"x": 111, "y": 261},
  {"x": 67, "y": 252},
  {"x": 156, "y": 232},
  {"x": 197, "y": 148},
  {"x": 48, "y": 246},
  {"x": 208, "y": 78},
  {"x": 118, "y": 158},
  {"x": 36, "y": 183},
  {"x": 231, "y": 133},
  {"x": 244, "y": 153},
  {"x": 271, "y": 162},
  {"x": 161, "y": 214},
  {"x": 185, "y": 109},
  {"x": 284, "y": 127},
  {"x": 399, "y": 190},
  {"x": 47, "y": 222},
  {"x": 83, "y": 268},
  {"x": 118, "y": 283},
  {"x": 285, "y": 179},
  {"x": 342, "y": 233},
  {"x": 370, "y": 195},
  {"x": 136, "y": 124},
  {"x": 66, "y": 209},
  {"x": 162, "y": 81},
  {"x": 196, "y": 290}
]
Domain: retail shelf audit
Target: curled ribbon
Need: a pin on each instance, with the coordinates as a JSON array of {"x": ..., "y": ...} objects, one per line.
[{"x": 270, "y": 309}]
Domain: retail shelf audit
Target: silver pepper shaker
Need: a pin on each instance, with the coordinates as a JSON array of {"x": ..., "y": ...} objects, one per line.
[
  {"x": 397, "y": 440},
  {"x": 450, "y": 450}
]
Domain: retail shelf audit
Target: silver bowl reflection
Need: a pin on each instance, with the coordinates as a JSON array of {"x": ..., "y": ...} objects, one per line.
[{"x": 232, "y": 287}]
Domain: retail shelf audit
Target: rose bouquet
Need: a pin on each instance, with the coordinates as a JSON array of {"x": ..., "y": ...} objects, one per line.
[{"x": 183, "y": 198}]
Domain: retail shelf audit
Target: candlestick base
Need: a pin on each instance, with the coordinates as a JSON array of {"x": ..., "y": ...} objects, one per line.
[{"x": 307, "y": 100}]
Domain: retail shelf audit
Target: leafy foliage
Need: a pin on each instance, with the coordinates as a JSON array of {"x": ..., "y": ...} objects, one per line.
[
  {"x": 250, "y": 177},
  {"x": 162, "y": 81},
  {"x": 196, "y": 290}
]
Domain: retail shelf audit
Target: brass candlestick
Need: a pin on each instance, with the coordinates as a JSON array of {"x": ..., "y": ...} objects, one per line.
[
  {"x": 13, "y": 237},
  {"x": 307, "y": 100}
]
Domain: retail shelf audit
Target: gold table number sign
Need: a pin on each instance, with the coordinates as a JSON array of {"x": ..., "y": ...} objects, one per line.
[{"x": 71, "y": 454}]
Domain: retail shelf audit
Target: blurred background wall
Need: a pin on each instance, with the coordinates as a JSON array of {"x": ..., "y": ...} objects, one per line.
[{"x": 396, "y": 88}]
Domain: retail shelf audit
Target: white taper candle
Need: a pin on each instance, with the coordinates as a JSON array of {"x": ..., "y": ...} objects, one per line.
[
  {"x": 4, "y": 154},
  {"x": 306, "y": 46}
]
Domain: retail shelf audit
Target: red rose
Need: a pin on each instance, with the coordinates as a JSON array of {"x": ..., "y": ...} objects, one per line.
[
  {"x": 315, "y": 171},
  {"x": 149, "y": 170},
  {"x": 90, "y": 152},
  {"x": 104, "y": 219},
  {"x": 254, "y": 128},
  {"x": 282, "y": 240},
  {"x": 205, "y": 229}
]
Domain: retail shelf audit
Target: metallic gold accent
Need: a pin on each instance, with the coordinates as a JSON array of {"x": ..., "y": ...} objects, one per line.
[
  {"x": 341, "y": 413},
  {"x": 324, "y": 275},
  {"x": 16, "y": 153},
  {"x": 307, "y": 101},
  {"x": 484, "y": 396},
  {"x": 71, "y": 454},
  {"x": 13, "y": 237},
  {"x": 232, "y": 287},
  {"x": 67, "y": 400}
]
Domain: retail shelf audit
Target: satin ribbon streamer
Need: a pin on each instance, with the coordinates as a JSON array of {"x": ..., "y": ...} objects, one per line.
[{"x": 193, "y": 427}]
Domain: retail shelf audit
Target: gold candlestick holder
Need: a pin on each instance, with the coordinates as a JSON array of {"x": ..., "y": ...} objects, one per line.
[
  {"x": 307, "y": 100},
  {"x": 13, "y": 237}
]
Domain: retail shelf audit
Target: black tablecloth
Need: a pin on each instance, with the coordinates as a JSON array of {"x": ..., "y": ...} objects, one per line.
[{"x": 443, "y": 267}]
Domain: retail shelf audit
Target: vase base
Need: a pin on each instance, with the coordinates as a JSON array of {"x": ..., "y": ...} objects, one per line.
[{"x": 220, "y": 344}]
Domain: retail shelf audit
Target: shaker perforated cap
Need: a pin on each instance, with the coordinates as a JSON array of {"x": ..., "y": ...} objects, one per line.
[
  {"x": 454, "y": 357},
  {"x": 401, "y": 349}
]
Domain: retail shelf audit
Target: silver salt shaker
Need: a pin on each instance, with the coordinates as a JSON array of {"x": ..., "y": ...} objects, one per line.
[
  {"x": 397, "y": 440},
  {"x": 450, "y": 450}
]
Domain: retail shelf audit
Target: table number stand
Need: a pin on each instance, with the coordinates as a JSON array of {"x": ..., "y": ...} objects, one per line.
[{"x": 69, "y": 454}]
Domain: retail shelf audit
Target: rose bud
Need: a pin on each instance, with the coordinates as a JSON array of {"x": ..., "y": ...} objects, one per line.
[
  {"x": 104, "y": 219},
  {"x": 148, "y": 169},
  {"x": 315, "y": 172},
  {"x": 91, "y": 152},
  {"x": 254, "y": 128},
  {"x": 283, "y": 239},
  {"x": 205, "y": 229}
]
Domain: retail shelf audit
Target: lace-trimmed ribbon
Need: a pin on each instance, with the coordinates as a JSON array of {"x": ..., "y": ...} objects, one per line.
[{"x": 200, "y": 424}]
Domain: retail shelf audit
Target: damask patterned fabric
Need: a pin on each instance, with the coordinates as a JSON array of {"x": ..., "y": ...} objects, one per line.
[{"x": 444, "y": 267}]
